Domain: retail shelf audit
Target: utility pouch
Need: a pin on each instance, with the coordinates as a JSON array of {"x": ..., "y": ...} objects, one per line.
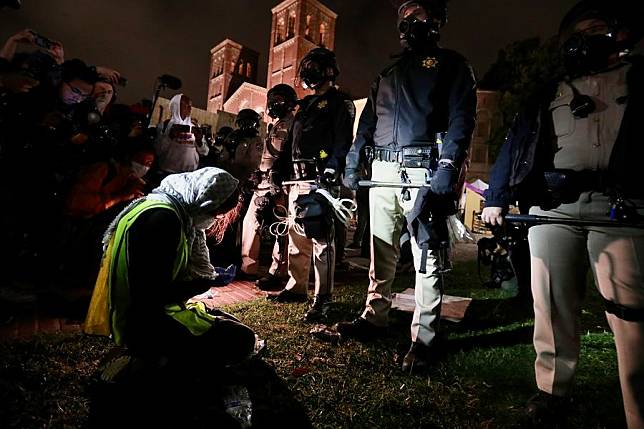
[
  {"x": 314, "y": 214},
  {"x": 421, "y": 157}
]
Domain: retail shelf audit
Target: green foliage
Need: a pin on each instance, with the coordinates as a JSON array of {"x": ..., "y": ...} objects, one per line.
[{"x": 525, "y": 71}]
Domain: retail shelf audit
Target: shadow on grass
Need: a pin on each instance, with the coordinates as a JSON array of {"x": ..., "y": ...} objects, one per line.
[{"x": 195, "y": 397}]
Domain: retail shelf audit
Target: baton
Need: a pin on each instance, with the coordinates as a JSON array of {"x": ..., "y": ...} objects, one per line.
[
  {"x": 546, "y": 220},
  {"x": 295, "y": 182},
  {"x": 372, "y": 184}
]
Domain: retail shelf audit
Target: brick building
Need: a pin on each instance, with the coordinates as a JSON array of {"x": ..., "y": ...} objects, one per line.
[{"x": 231, "y": 65}]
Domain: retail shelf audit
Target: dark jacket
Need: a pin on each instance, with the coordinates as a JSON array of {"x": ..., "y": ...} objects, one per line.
[
  {"x": 530, "y": 146},
  {"x": 414, "y": 99},
  {"x": 322, "y": 130}
]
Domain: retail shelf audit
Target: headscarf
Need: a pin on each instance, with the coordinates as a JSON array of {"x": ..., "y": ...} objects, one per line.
[
  {"x": 175, "y": 115},
  {"x": 194, "y": 195}
]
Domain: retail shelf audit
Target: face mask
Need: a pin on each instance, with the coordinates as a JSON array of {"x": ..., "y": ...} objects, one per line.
[
  {"x": 584, "y": 54},
  {"x": 277, "y": 109},
  {"x": 312, "y": 78},
  {"x": 139, "y": 170},
  {"x": 203, "y": 222},
  {"x": 416, "y": 34}
]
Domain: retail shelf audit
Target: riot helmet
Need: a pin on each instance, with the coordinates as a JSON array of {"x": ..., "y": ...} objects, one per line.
[
  {"x": 221, "y": 135},
  {"x": 281, "y": 99},
  {"x": 318, "y": 67},
  {"x": 247, "y": 120},
  {"x": 420, "y": 21},
  {"x": 595, "y": 31}
]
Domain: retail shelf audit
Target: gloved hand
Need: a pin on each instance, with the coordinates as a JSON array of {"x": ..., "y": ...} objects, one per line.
[
  {"x": 330, "y": 177},
  {"x": 445, "y": 178},
  {"x": 351, "y": 179}
]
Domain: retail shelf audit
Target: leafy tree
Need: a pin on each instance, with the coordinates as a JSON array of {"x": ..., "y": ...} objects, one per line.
[{"x": 525, "y": 71}]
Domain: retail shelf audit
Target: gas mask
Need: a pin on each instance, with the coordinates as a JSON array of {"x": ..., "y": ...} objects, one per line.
[
  {"x": 312, "y": 76},
  {"x": 139, "y": 170},
  {"x": 585, "y": 54},
  {"x": 417, "y": 28},
  {"x": 278, "y": 108}
]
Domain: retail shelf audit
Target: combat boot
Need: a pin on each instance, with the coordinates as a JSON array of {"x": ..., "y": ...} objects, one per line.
[
  {"x": 419, "y": 358},
  {"x": 268, "y": 282},
  {"x": 546, "y": 410},
  {"x": 319, "y": 309},
  {"x": 285, "y": 296},
  {"x": 360, "y": 329}
]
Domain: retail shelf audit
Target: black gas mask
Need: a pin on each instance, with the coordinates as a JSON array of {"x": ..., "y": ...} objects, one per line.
[
  {"x": 278, "y": 107},
  {"x": 318, "y": 67},
  {"x": 585, "y": 53},
  {"x": 312, "y": 76},
  {"x": 417, "y": 26}
]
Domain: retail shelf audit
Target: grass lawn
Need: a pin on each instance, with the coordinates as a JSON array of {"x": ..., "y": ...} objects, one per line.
[{"x": 484, "y": 381}]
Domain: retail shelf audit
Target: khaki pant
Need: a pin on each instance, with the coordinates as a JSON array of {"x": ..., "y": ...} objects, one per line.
[
  {"x": 388, "y": 209},
  {"x": 250, "y": 245},
  {"x": 561, "y": 256},
  {"x": 301, "y": 249}
]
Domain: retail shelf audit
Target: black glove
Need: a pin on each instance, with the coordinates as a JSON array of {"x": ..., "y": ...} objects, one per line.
[
  {"x": 330, "y": 177},
  {"x": 351, "y": 179},
  {"x": 444, "y": 179}
]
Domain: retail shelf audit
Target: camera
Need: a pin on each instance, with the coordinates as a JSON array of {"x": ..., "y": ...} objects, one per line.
[{"x": 42, "y": 41}]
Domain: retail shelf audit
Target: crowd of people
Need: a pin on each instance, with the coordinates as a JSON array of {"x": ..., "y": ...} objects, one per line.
[{"x": 176, "y": 198}]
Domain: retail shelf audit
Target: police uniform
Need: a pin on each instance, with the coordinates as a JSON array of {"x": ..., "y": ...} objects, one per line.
[
  {"x": 275, "y": 142},
  {"x": 561, "y": 255},
  {"x": 322, "y": 131},
  {"x": 424, "y": 93}
]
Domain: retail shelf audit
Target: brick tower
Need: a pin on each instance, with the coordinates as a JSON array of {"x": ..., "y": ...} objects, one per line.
[
  {"x": 297, "y": 27},
  {"x": 231, "y": 64}
]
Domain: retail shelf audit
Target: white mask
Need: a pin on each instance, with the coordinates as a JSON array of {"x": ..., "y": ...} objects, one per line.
[{"x": 139, "y": 169}]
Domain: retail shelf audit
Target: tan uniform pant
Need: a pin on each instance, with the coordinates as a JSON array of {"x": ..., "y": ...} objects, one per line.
[
  {"x": 250, "y": 245},
  {"x": 301, "y": 249},
  {"x": 388, "y": 209},
  {"x": 560, "y": 258}
]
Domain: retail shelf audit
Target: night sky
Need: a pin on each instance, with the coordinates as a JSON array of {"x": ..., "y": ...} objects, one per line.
[{"x": 145, "y": 38}]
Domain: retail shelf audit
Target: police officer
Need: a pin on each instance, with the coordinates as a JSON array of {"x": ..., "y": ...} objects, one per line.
[
  {"x": 243, "y": 146},
  {"x": 588, "y": 134},
  {"x": 426, "y": 91},
  {"x": 317, "y": 147},
  {"x": 281, "y": 101}
]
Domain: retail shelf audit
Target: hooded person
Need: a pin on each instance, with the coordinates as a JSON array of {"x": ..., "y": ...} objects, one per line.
[
  {"x": 155, "y": 261},
  {"x": 177, "y": 148}
]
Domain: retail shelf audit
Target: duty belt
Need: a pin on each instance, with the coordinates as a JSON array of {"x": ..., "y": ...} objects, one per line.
[{"x": 410, "y": 156}]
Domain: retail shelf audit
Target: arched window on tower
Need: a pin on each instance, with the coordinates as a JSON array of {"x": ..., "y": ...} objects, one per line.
[
  {"x": 240, "y": 69},
  {"x": 249, "y": 70},
  {"x": 322, "y": 41},
  {"x": 279, "y": 31},
  {"x": 307, "y": 30},
  {"x": 290, "y": 30}
]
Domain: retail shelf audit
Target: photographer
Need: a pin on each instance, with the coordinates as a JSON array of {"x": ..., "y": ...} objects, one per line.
[{"x": 177, "y": 148}]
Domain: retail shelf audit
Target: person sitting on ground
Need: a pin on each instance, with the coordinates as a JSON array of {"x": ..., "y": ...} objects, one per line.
[{"x": 157, "y": 259}]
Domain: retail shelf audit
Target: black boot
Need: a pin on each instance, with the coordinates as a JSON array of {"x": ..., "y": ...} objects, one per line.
[
  {"x": 546, "y": 410},
  {"x": 419, "y": 358},
  {"x": 269, "y": 282},
  {"x": 359, "y": 329},
  {"x": 286, "y": 295},
  {"x": 319, "y": 309}
]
